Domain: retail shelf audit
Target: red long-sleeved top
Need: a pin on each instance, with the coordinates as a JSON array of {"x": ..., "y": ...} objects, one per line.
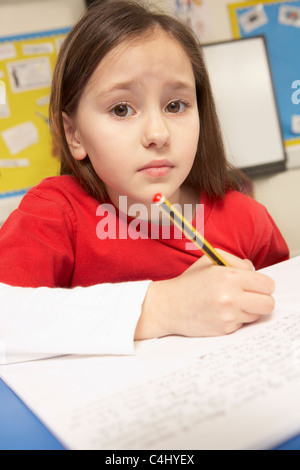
[{"x": 52, "y": 239}]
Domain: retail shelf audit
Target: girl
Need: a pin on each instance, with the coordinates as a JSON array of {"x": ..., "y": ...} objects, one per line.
[{"x": 132, "y": 114}]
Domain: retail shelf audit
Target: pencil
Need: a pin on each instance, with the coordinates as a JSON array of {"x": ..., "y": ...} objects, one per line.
[{"x": 189, "y": 231}]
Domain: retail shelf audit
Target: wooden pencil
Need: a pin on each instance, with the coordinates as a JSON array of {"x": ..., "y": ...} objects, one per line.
[{"x": 189, "y": 231}]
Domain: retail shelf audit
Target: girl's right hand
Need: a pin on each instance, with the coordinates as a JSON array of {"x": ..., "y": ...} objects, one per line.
[{"x": 206, "y": 300}]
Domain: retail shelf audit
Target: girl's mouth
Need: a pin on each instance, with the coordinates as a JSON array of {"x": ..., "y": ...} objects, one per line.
[{"x": 157, "y": 168}]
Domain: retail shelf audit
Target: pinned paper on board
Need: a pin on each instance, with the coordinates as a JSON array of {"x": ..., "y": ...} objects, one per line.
[
  {"x": 20, "y": 137},
  {"x": 296, "y": 124},
  {"x": 14, "y": 163},
  {"x": 4, "y": 109},
  {"x": 7, "y": 51},
  {"x": 289, "y": 15},
  {"x": 253, "y": 19},
  {"x": 196, "y": 14},
  {"x": 26, "y": 68},
  {"x": 44, "y": 100},
  {"x": 30, "y": 74},
  {"x": 38, "y": 49},
  {"x": 2, "y": 92}
]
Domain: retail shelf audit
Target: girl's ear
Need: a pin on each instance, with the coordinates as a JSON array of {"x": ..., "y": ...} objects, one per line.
[{"x": 73, "y": 138}]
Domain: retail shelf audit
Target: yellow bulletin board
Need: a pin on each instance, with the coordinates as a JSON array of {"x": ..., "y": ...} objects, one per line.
[{"x": 26, "y": 66}]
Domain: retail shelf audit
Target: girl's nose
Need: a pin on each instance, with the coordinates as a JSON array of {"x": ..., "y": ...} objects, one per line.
[{"x": 155, "y": 132}]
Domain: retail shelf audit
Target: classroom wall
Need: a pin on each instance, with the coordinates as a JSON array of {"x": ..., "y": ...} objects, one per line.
[
  {"x": 280, "y": 193},
  {"x": 26, "y": 16}
]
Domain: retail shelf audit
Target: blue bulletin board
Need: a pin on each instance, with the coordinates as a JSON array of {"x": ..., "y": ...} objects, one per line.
[{"x": 279, "y": 23}]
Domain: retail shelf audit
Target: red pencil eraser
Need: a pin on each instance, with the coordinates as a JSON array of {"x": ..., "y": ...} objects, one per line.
[{"x": 157, "y": 197}]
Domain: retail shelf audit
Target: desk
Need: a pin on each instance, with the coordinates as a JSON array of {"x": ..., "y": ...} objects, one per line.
[{"x": 19, "y": 428}]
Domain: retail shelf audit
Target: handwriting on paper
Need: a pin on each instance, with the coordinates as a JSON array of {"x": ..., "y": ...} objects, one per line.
[{"x": 147, "y": 415}]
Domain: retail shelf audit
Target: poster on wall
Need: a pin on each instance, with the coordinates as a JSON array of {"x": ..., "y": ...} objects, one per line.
[
  {"x": 26, "y": 66},
  {"x": 196, "y": 14}
]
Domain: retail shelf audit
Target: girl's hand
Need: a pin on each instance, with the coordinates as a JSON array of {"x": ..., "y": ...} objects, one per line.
[{"x": 206, "y": 300}]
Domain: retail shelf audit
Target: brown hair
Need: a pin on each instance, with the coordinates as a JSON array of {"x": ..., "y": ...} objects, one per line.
[{"x": 105, "y": 25}]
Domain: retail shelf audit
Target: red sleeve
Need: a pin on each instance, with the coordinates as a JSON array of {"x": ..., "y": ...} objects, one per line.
[{"x": 37, "y": 244}]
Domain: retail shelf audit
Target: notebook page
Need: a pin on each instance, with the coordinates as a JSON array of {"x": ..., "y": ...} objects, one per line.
[{"x": 235, "y": 392}]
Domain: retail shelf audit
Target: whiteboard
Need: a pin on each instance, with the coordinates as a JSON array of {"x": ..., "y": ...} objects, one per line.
[{"x": 242, "y": 85}]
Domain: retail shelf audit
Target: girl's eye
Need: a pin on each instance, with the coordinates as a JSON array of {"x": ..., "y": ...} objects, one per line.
[
  {"x": 175, "y": 107},
  {"x": 122, "y": 110}
]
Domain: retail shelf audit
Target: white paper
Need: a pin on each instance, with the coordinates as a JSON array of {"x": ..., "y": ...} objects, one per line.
[
  {"x": 7, "y": 51},
  {"x": 14, "y": 163},
  {"x": 195, "y": 14},
  {"x": 289, "y": 15},
  {"x": 2, "y": 92},
  {"x": 44, "y": 100},
  {"x": 296, "y": 124},
  {"x": 2, "y": 352},
  {"x": 20, "y": 137},
  {"x": 4, "y": 109},
  {"x": 29, "y": 74},
  {"x": 253, "y": 19},
  {"x": 38, "y": 48},
  {"x": 234, "y": 392}
]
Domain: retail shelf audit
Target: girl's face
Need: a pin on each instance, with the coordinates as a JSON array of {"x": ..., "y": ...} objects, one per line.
[{"x": 138, "y": 121}]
